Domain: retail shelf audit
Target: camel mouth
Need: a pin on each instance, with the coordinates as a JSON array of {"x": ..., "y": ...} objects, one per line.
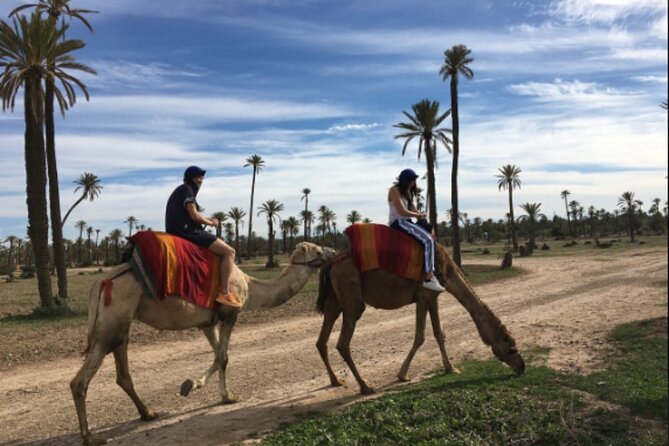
[{"x": 517, "y": 364}]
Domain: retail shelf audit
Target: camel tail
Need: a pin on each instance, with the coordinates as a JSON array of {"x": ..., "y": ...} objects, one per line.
[
  {"x": 100, "y": 292},
  {"x": 324, "y": 286},
  {"x": 94, "y": 296}
]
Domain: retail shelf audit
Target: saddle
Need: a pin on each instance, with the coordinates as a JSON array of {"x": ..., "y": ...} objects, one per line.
[
  {"x": 168, "y": 265},
  {"x": 375, "y": 246}
]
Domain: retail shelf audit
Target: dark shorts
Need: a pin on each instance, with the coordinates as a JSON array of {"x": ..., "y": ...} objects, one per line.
[{"x": 200, "y": 238}]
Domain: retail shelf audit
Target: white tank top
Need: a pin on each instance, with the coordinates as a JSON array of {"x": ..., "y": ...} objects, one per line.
[{"x": 393, "y": 214}]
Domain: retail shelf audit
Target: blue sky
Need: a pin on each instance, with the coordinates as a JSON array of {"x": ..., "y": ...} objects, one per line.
[{"x": 568, "y": 90}]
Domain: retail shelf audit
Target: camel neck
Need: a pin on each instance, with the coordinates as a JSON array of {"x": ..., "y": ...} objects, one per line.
[{"x": 272, "y": 293}]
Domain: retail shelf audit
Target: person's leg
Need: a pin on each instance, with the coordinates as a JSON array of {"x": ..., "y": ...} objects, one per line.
[
  {"x": 227, "y": 254},
  {"x": 425, "y": 239}
]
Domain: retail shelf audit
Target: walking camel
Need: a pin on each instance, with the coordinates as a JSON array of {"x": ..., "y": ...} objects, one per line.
[
  {"x": 109, "y": 325},
  {"x": 343, "y": 290}
]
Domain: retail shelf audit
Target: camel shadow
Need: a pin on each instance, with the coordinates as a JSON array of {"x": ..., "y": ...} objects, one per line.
[
  {"x": 213, "y": 423},
  {"x": 230, "y": 424}
]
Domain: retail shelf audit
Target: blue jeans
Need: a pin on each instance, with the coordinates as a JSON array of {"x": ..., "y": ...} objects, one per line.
[{"x": 425, "y": 238}]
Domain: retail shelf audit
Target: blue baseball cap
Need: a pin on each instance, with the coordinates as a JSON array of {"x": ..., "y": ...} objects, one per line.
[
  {"x": 408, "y": 175},
  {"x": 192, "y": 172}
]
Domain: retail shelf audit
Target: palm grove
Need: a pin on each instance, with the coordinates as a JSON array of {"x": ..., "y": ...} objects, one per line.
[{"x": 38, "y": 59}]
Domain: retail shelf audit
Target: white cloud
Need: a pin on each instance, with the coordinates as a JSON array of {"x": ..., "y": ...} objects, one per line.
[
  {"x": 605, "y": 11},
  {"x": 651, "y": 78}
]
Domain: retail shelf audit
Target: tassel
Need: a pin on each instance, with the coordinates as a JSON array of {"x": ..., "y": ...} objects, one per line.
[{"x": 107, "y": 286}]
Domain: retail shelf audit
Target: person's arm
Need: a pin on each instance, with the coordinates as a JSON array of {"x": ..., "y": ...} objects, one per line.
[
  {"x": 199, "y": 218},
  {"x": 394, "y": 196}
]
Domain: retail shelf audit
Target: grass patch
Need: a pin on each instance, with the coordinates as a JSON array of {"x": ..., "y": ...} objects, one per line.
[
  {"x": 480, "y": 274},
  {"x": 488, "y": 406}
]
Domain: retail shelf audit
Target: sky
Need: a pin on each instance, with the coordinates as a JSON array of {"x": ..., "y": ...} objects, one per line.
[{"x": 567, "y": 90}]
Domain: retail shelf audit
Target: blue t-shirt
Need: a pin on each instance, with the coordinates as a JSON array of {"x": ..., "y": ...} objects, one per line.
[{"x": 179, "y": 222}]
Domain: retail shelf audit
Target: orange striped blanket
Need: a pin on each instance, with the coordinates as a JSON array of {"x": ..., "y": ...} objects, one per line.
[
  {"x": 172, "y": 266},
  {"x": 376, "y": 246}
]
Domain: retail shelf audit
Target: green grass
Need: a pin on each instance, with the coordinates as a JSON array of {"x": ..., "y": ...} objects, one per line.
[
  {"x": 473, "y": 252},
  {"x": 487, "y": 406}
]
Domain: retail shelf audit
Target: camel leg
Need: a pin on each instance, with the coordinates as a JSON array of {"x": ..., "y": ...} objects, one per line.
[
  {"x": 433, "y": 308},
  {"x": 124, "y": 380},
  {"x": 330, "y": 314},
  {"x": 227, "y": 325},
  {"x": 419, "y": 338},
  {"x": 344, "y": 345},
  {"x": 212, "y": 334},
  {"x": 79, "y": 387}
]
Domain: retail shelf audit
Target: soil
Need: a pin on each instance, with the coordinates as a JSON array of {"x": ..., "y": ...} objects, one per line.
[{"x": 568, "y": 305}]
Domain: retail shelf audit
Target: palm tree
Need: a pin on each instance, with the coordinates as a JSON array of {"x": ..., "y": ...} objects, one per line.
[
  {"x": 81, "y": 226},
  {"x": 115, "y": 236},
  {"x": 25, "y": 50},
  {"x": 305, "y": 196},
  {"x": 236, "y": 214},
  {"x": 12, "y": 239},
  {"x": 97, "y": 247},
  {"x": 293, "y": 226},
  {"x": 508, "y": 179},
  {"x": 353, "y": 217},
  {"x": 271, "y": 208},
  {"x": 424, "y": 125},
  {"x": 221, "y": 217},
  {"x": 257, "y": 163},
  {"x": 307, "y": 218},
  {"x": 131, "y": 221},
  {"x": 89, "y": 232},
  {"x": 54, "y": 9},
  {"x": 90, "y": 187},
  {"x": 564, "y": 194},
  {"x": 628, "y": 204},
  {"x": 532, "y": 217},
  {"x": 573, "y": 206},
  {"x": 456, "y": 61}
]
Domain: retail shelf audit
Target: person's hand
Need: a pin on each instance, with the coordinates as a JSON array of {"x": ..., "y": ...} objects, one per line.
[{"x": 214, "y": 221}]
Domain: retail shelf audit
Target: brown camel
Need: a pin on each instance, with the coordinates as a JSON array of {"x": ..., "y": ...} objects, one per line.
[
  {"x": 343, "y": 290},
  {"x": 109, "y": 325}
]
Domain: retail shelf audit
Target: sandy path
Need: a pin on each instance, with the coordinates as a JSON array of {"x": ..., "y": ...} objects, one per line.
[{"x": 567, "y": 304}]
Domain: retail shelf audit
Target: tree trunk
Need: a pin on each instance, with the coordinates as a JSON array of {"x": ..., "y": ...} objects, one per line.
[
  {"x": 54, "y": 193},
  {"x": 432, "y": 196},
  {"x": 512, "y": 221},
  {"x": 306, "y": 209},
  {"x": 457, "y": 257},
  {"x": 248, "y": 241},
  {"x": 38, "y": 219}
]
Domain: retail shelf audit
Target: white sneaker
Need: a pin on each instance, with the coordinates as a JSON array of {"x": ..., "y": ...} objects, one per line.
[{"x": 433, "y": 284}]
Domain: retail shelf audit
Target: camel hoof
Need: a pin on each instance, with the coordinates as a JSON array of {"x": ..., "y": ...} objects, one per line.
[
  {"x": 367, "y": 391},
  {"x": 186, "y": 387},
  {"x": 230, "y": 399},
  {"x": 337, "y": 382},
  {"x": 150, "y": 415},
  {"x": 404, "y": 378},
  {"x": 453, "y": 370},
  {"x": 94, "y": 440}
]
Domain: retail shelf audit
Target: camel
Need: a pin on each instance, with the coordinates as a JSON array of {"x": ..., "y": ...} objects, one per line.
[
  {"x": 343, "y": 290},
  {"x": 109, "y": 325}
]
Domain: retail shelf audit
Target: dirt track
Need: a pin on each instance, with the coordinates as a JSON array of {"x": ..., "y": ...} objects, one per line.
[{"x": 568, "y": 304}]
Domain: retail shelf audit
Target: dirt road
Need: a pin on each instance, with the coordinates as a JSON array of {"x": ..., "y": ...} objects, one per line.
[{"x": 568, "y": 304}]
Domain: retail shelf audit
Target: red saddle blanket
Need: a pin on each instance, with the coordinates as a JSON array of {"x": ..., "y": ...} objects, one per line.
[
  {"x": 376, "y": 246},
  {"x": 172, "y": 266}
]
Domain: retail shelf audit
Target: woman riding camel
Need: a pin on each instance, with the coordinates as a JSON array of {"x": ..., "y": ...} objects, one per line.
[
  {"x": 401, "y": 209},
  {"x": 184, "y": 219}
]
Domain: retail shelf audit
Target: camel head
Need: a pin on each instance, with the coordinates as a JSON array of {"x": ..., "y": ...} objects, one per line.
[
  {"x": 311, "y": 255},
  {"x": 504, "y": 347}
]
